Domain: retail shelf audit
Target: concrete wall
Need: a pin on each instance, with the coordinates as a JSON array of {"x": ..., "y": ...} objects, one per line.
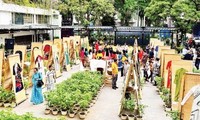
[
  {"x": 6, "y": 11},
  {"x": 5, "y": 18}
]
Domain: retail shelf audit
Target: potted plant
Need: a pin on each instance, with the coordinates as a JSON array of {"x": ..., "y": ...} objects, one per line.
[
  {"x": 55, "y": 111},
  {"x": 47, "y": 111},
  {"x": 26, "y": 85},
  {"x": 77, "y": 106},
  {"x": 63, "y": 108},
  {"x": 131, "y": 117},
  {"x": 83, "y": 104},
  {"x": 124, "y": 116},
  {"x": 71, "y": 113},
  {"x": 175, "y": 115},
  {"x": 8, "y": 98},
  {"x": 141, "y": 111}
]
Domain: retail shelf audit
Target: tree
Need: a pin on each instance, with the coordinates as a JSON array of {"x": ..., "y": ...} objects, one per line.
[
  {"x": 125, "y": 9},
  {"x": 86, "y": 11},
  {"x": 158, "y": 10},
  {"x": 185, "y": 14}
]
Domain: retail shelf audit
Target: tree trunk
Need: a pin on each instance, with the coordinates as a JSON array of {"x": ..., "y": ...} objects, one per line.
[{"x": 126, "y": 22}]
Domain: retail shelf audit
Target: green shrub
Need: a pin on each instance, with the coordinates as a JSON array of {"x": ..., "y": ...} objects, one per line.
[
  {"x": 79, "y": 89},
  {"x": 8, "y": 115},
  {"x": 175, "y": 115}
]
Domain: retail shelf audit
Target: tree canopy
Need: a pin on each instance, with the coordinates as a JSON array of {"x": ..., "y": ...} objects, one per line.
[
  {"x": 184, "y": 13},
  {"x": 87, "y": 11}
]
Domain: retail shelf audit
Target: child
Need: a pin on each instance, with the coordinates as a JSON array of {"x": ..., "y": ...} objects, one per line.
[{"x": 156, "y": 67}]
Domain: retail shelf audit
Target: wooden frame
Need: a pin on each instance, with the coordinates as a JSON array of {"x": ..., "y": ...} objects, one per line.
[
  {"x": 190, "y": 80},
  {"x": 160, "y": 48},
  {"x": 167, "y": 58},
  {"x": 164, "y": 51},
  {"x": 155, "y": 42},
  {"x": 126, "y": 83},
  {"x": 20, "y": 95},
  {"x": 188, "y": 65},
  {"x": 1, "y": 64}
]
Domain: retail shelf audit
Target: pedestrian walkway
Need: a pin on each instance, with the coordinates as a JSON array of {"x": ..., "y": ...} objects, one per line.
[
  {"x": 154, "y": 109},
  {"x": 38, "y": 110},
  {"x": 107, "y": 106}
]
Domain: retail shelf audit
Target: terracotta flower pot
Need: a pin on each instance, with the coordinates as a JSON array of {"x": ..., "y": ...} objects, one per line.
[
  {"x": 88, "y": 109},
  {"x": 139, "y": 117},
  {"x": 124, "y": 116},
  {"x": 82, "y": 115},
  {"x": 84, "y": 110},
  {"x": 77, "y": 106},
  {"x": 93, "y": 101},
  {"x": 75, "y": 110},
  {"x": 91, "y": 104},
  {"x": 167, "y": 109},
  {"x": 63, "y": 112},
  {"x": 47, "y": 111},
  {"x": 55, "y": 112},
  {"x": 71, "y": 114},
  {"x": 131, "y": 117}
]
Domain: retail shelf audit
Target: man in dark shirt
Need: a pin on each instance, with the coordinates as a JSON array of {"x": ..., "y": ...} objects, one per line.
[{"x": 151, "y": 53}]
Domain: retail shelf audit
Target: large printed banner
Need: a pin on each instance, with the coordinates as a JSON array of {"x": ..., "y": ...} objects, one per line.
[
  {"x": 21, "y": 50},
  {"x": 59, "y": 45},
  {"x": 17, "y": 77},
  {"x": 47, "y": 53},
  {"x": 66, "y": 53},
  {"x": 72, "y": 52},
  {"x": 56, "y": 60}
]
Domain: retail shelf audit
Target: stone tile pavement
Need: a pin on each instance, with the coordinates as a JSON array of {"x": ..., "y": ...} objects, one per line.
[{"x": 154, "y": 109}]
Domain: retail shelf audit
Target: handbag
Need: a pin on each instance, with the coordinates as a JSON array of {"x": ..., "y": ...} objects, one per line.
[{"x": 40, "y": 83}]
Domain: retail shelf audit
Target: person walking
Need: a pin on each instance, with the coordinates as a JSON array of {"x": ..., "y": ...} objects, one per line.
[
  {"x": 50, "y": 78},
  {"x": 124, "y": 58},
  {"x": 36, "y": 97},
  {"x": 126, "y": 67},
  {"x": 197, "y": 61},
  {"x": 82, "y": 55},
  {"x": 156, "y": 67},
  {"x": 120, "y": 64},
  {"x": 114, "y": 74}
]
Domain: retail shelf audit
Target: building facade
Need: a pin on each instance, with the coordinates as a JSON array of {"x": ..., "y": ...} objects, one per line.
[{"x": 26, "y": 24}]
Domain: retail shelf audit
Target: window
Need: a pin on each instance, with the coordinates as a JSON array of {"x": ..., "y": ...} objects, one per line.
[
  {"x": 20, "y": 18},
  {"x": 42, "y": 19},
  {"x": 28, "y": 19},
  {"x": 55, "y": 16},
  {"x": 17, "y": 18}
]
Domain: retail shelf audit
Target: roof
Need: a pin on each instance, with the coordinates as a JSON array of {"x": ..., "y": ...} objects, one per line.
[{"x": 29, "y": 27}]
